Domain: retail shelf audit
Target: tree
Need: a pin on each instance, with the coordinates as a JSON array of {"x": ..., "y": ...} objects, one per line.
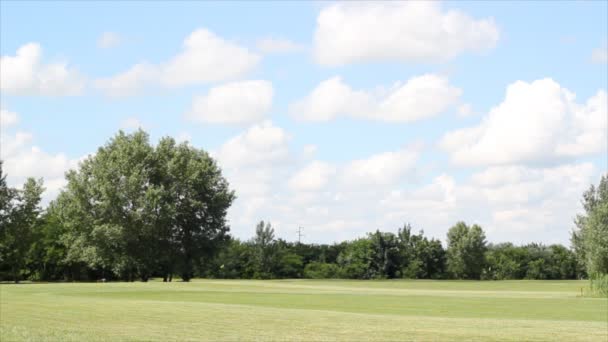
[
  {"x": 19, "y": 213},
  {"x": 264, "y": 249},
  {"x": 355, "y": 260},
  {"x": 590, "y": 238},
  {"x": 132, "y": 209},
  {"x": 466, "y": 249},
  {"x": 384, "y": 261},
  {"x": 420, "y": 257}
]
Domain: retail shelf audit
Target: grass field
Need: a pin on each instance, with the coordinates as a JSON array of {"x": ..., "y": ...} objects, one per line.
[{"x": 303, "y": 310}]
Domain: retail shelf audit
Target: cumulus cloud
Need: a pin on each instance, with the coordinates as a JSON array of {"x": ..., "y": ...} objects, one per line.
[
  {"x": 261, "y": 144},
  {"x": 277, "y": 46},
  {"x": 385, "y": 168},
  {"x": 233, "y": 103},
  {"x": 22, "y": 159},
  {"x": 536, "y": 122},
  {"x": 7, "y": 118},
  {"x": 512, "y": 203},
  {"x": 418, "y": 98},
  {"x": 600, "y": 55},
  {"x": 465, "y": 110},
  {"x": 313, "y": 176},
  {"x": 205, "y": 58},
  {"x": 408, "y": 31},
  {"x": 109, "y": 40},
  {"x": 343, "y": 200},
  {"x": 25, "y": 74}
]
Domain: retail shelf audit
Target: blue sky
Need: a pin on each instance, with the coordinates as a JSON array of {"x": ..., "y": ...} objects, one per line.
[{"x": 355, "y": 117}]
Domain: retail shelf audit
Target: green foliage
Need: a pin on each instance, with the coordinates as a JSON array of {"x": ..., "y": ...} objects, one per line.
[
  {"x": 19, "y": 214},
  {"x": 590, "y": 238},
  {"x": 599, "y": 284},
  {"x": 356, "y": 259},
  {"x": 466, "y": 251},
  {"x": 321, "y": 270},
  {"x": 136, "y": 210}
]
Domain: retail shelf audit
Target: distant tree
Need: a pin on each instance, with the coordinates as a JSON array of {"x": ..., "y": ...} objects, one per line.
[
  {"x": 265, "y": 249},
  {"x": 384, "y": 257},
  {"x": 590, "y": 238},
  {"x": 420, "y": 257},
  {"x": 287, "y": 263},
  {"x": 355, "y": 260},
  {"x": 466, "y": 249},
  {"x": 19, "y": 214},
  {"x": 321, "y": 270}
]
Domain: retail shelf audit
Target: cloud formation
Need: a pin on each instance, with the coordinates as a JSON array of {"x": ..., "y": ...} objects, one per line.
[
  {"x": 537, "y": 122},
  {"x": 25, "y": 74},
  {"x": 205, "y": 58},
  {"x": 233, "y": 103},
  {"x": 402, "y": 31},
  {"x": 418, "y": 98}
]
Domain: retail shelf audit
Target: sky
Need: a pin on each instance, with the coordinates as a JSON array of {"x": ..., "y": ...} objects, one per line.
[{"x": 340, "y": 118}]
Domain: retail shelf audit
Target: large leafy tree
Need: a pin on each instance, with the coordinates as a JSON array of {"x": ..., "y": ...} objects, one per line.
[
  {"x": 590, "y": 238},
  {"x": 466, "y": 249},
  {"x": 132, "y": 209},
  {"x": 19, "y": 216}
]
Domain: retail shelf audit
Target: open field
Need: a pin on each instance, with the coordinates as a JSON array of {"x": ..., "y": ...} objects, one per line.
[{"x": 303, "y": 310}]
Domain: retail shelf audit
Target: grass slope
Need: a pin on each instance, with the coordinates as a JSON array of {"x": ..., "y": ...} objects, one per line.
[{"x": 303, "y": 310}]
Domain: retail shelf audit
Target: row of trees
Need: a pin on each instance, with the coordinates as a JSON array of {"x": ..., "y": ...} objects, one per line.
[
  {"x": 131, "y": 210},
  {"x": 134, "y": 210},
  {"x": 382, "y": 255}
]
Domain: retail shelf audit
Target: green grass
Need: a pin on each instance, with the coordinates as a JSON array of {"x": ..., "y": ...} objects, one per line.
[{"x": 303, "y": 310}]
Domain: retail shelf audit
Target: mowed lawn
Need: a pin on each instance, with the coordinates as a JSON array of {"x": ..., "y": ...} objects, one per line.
[{"x": 305, "y": 310}]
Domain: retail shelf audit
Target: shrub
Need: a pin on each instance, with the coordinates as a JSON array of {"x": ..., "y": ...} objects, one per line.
[
  {"x": 599, "y": 284},
  {"x": 321, "y": 270}
]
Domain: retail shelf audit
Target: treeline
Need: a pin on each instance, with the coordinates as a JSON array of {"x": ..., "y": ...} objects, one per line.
[
  {"x": 130, "y": 211},
  {"x": 135, "y": 211},
  {"x": 385, "y": 255}
]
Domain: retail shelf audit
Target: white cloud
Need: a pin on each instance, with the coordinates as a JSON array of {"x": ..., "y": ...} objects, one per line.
[
  {"x": 261, "y": 144},
  {"x": 24, "y": 74},
  {"x": 512, "y": 203},
  {"x": 205, "y": 58},
  {"x": 309, "y": 151},
  {"x": 418, "y": 98},
  {"x": 335, "y": 201},
  {"x": 600, "y": 55},
  {"x": 277, "y": 45},
  {"x": 233, "y": 103},
  {"x": 7, "y": 118},
  {"x": 536, "y": 122},
  {"x": 130, "y": 124},
  {"x": 385, "y": 168},
  {"x": 314, "y": 176},
  {"x": 408, "y": 31},
  {"x": 465, "y": 110},
  {"x": 23, "y": 159},
  {"x": 109, "y": 40}
]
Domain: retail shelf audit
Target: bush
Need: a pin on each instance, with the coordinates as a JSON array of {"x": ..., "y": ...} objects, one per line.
[
  {"x": 321, "y": 270},
  {"x": 599, "y": 284}
]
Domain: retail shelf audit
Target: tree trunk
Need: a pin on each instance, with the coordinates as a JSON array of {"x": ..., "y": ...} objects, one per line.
[{"x": 15, "y": 275}]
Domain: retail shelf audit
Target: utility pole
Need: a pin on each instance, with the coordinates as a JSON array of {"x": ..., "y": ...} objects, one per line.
[{"x": 299, "y": 231}]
